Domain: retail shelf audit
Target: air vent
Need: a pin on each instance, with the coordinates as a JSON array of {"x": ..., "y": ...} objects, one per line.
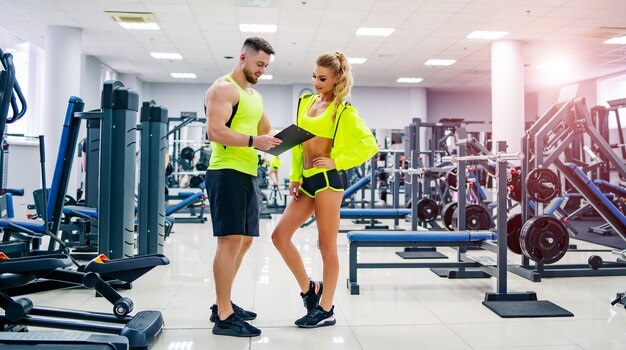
[
  {"x": 132, "y": 17},
  {"x": 607, "y": 32}
]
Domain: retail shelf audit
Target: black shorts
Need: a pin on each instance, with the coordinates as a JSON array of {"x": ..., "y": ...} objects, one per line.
[
  {"x": 233, "y": 202},
  {"x": 329, "y": 179}
]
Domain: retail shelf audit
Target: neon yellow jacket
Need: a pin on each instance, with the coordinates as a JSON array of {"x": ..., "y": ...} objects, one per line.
[{"x": 353, "y": 143}]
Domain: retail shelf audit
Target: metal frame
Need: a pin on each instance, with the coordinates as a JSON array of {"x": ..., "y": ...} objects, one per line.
[
  {"x": 551, "y": 135},
  {"x": 499, "y": 271}
]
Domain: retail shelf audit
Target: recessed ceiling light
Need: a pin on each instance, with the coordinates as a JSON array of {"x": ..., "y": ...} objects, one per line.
[
  {"x": 618, "y": 40},
  {"x": 184, "y": 75},
  {"x": 486, "y": 35},
  {"x": 439, "y": 62},
  {"x": 166, "y": 55},
  {"x": 140, "y": 26},
  {"x": 368, "y": 31},
  {"x": 409, "y": 80},
  {"x": 266, "y": 77},
  {"x": 357, "y": 60},
  {"x": 258, "y": 28}
]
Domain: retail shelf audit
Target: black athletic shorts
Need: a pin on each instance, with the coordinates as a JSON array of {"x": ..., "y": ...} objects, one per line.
[
  {"x": 329, "y": 179},
  {"x": 233, "y": 202}
]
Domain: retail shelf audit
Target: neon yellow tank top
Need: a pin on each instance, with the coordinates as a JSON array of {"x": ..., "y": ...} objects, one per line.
[
  {"x": 322, "y": 125},
  {"x": 245, "y": 120}
]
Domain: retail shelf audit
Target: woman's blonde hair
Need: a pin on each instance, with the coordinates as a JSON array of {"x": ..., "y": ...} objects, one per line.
[{"x": 338, "y": 64}]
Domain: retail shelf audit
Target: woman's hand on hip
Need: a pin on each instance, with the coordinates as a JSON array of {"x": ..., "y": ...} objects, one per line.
[{"x": 323, "y": 162}]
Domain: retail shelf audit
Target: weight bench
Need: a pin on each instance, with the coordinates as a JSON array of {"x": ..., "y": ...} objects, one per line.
[
  {"x": 92, "y": 214},
  {"x": 141, "y": 330},
  {"x": 411, "y": 239},
  {"x": 356, "y": 186}
]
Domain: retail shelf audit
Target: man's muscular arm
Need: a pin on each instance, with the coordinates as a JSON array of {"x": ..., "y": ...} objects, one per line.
[{"x": 219, "y": 101}]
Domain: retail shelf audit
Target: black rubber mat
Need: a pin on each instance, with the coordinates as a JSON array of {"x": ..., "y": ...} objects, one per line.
[
  {"x": 613, "y": 240},
  {"x": 522, "y": 309},
  {"x": 421, "y": 255}
]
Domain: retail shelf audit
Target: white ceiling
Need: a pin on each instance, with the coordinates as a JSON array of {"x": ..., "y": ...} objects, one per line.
[{"x": 204, "y": 31}]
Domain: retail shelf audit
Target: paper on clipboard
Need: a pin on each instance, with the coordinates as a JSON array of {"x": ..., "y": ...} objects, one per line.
[{"x": 291, "y": 136}]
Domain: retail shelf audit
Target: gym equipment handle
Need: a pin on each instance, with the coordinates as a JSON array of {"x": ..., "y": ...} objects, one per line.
[{"x": 499, "y": 157}]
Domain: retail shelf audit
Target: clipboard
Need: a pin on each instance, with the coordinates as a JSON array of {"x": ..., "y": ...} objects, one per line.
[{"x": 291, "y": 136}]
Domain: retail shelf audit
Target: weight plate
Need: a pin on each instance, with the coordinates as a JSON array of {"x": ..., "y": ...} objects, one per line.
[
  {"x": 544, "y": 239},
  {"x": 446, "y": 215},
  {"x": 513, "y": 230},
  {"x": 476, "y": 218},
  {"x": 451, "y": 179},
  {"x": 427, "y": 210},
  {"x": 543, "y": 185},
  {"x": 595, "y": 262}
]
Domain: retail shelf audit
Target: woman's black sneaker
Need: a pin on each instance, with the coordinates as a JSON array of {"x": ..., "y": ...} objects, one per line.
[
  {"x": 312, "y": 297},
  {"x": 234, "y": 326},
  {"x": 243, "y": 314},
  {"x": 317, "y": 318}
]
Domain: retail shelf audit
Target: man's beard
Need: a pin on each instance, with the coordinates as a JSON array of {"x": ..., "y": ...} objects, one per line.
[{"x": 250, "y": 76}]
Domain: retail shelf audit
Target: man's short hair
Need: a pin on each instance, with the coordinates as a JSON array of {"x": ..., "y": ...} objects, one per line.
[{"x": 258, "y": 44}]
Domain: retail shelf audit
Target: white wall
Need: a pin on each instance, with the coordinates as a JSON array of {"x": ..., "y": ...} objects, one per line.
[
  {"x": 380, "y": 107},
  {"x": 469, "y": 106},
  {"x": 90, "y": 88},
  {"x": 132, "y": 81},
  {"x": 24, "y": 172},
  {"x": 547, "y": 97}
]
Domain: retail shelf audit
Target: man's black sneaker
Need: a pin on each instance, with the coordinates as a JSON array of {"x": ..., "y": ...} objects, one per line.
[
  {"x": 312, "y": 297},
  {"x": 234, "y": 326},
  {"x": 243, "y": 314},
  {"x": 317, "y": 318}
]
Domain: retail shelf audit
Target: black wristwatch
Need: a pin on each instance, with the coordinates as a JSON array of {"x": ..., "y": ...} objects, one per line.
[{"x": 250, "y": 141}]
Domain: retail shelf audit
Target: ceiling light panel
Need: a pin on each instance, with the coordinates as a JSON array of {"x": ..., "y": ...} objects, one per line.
[
  {"x": 620, "y": 40},
  {"x": 370, "y": 31},
  {"x": 486, "y": 35},
  {"x": 184, "y": 75},
  {"x": 166, "y": 55},
  {"x": 409, "y": 80},
  {"x": 258, "y": 28},
  {"x": 140, "y": 26},
  {"x": 439, "y": 62}
]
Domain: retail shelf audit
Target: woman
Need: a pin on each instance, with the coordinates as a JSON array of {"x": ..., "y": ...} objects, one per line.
[
  {"x": 275, "y": 163},
  {"x": 342, "y": 141}
]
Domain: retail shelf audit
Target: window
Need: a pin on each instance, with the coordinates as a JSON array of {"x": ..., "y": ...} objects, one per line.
[
  {"x": 106, "y": 73},
  {"x": 612, "y": 89},
  {"x": 27, "y": 58}
]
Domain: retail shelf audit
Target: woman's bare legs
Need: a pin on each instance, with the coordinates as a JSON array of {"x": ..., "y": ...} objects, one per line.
[
  {"x": 296, "y": 213},
  {"x": 327, "y": 206}
]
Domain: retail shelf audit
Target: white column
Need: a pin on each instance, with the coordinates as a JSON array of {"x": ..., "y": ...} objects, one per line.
[
  {"x": 507, "y": 93},
  {"x": 62, "y": 72}
]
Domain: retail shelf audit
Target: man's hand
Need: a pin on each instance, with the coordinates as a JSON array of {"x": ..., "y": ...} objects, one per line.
[
  {"x": 265, "y": 142},
  {"x": 294, "y": 190}
]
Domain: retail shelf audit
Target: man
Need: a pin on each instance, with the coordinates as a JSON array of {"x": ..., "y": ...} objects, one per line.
[{"x": 236, "y": 124}]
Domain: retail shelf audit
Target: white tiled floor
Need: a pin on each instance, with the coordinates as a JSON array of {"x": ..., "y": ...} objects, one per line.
[{"x": 397, "y": 309}]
